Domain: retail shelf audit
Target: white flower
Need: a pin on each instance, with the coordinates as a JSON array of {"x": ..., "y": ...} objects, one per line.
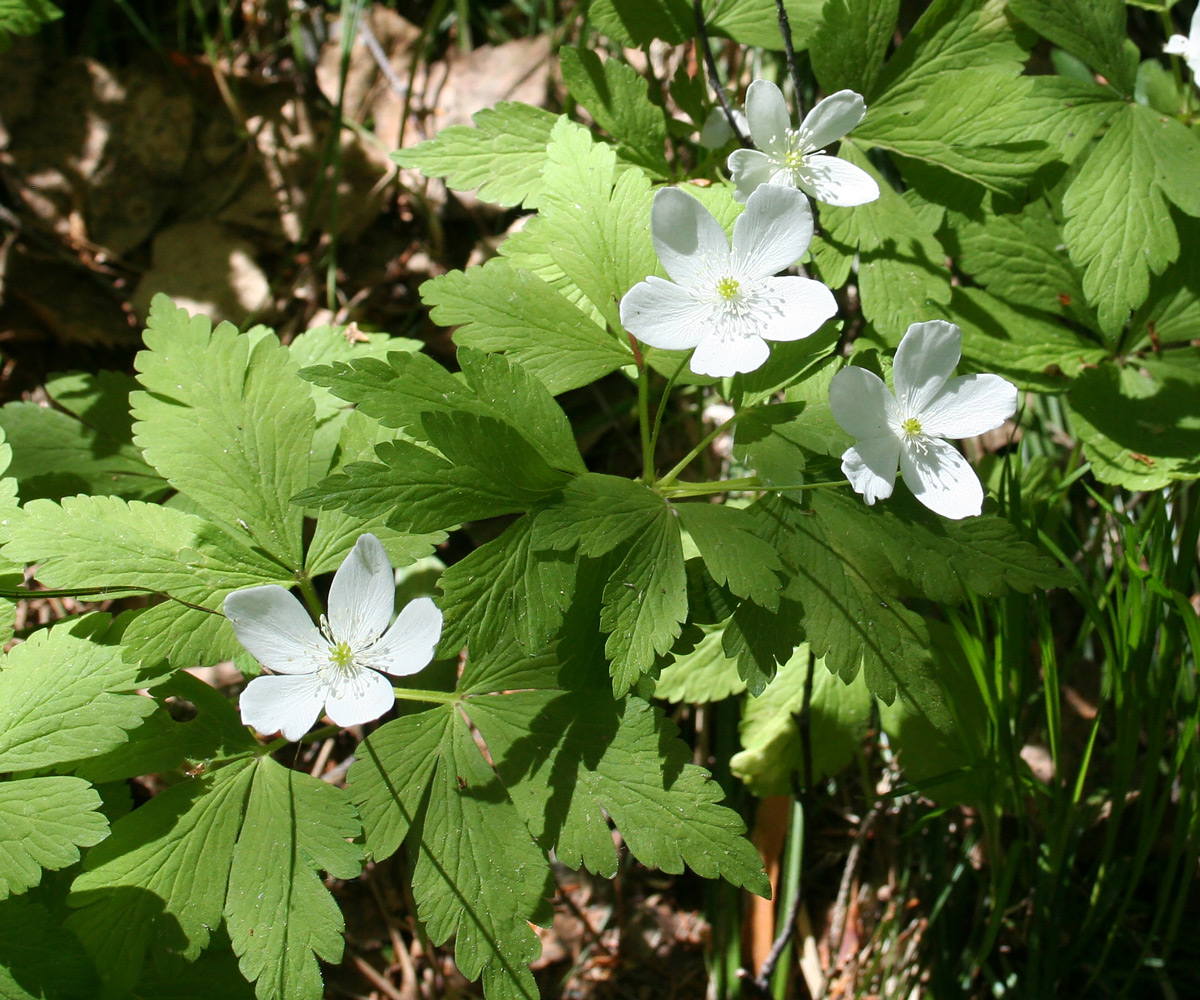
[
  {"x": 724, "y": 302},
  {"x": 332, "y": 669},
  {"x": 791, "y": 156},
  {"x": 909, "y": 427},
  {"x": 1187, "y": 46},
  {"x": 717, "y": 131}
]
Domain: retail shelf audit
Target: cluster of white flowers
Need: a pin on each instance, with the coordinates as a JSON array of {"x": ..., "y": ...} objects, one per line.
[{"x": 725, "y": 303}]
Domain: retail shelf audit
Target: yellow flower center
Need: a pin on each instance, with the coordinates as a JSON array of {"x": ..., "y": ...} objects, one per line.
[
  {"x": 793, "y": 159},
  {"x": 341, "y": 655},
  {"x": 727, "y": 288},
  {"x": 911, "y": 427}
]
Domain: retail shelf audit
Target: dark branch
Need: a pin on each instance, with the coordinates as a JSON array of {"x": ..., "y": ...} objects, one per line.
[{"x": 714, "y": 81}]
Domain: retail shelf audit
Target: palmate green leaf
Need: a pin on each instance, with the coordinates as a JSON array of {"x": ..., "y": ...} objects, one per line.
[
  {"x": 902, "y": 276},
  {"x": 1171, "y": 314},
  {"x": 1031, "y": 349},
  {"x": 498, "y": 307},
  {"x": 1140, "y": 423},
  {"x": 65, "y": 697},
  {"x": 593, "y": 221},
  {"x": 507, "y": 586},
  {"x": 595, "y": 513},
  {"x": 43, "y": 823},
  {"x": 749, "y": 22},
  {"x": 618, "y": 98},
  {"x": 772, "y": 751},
  {"x": 849, "y": 46},
  {"x": 38, "y": 959},
  {"x": 24, "y": 17},
  {"x": 502, "y": 155},
  {"x": 159, "y": 880},
  {"x": 227, "y": 422},
  {"x": 702, "y": 674},
  {"x": 756, "y": 23},
  {"x": 1094, "y": 30},
  {"x": 1119, "y": 228},
  {"x": 108, "y": 542},
  {"x": 952, "y": 35},
  {"x": 644, "y": 603},
  {"x": 277, "y": 911},
  {"x": 84, "y": 447},
  {"x": 243, "y": 841},
  {"x": 477, "y": 874},
  {"x": 733, "y": 553}
]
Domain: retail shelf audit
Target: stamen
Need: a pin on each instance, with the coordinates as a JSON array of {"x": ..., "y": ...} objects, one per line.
[
  {"x": 727, "y": 288},
  {"x": 911, "y": 427},
  {"x": 341, "y": 655}
]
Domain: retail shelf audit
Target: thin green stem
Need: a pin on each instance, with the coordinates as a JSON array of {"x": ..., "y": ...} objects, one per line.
[
  {"x": 746, "y": 484},
  {"x": 705, "y": 441},
  {"x": 315, "y": 736},
  {"x": 309, "y": 593},
  {"x": 644, "y": 422},
  {"x": 419, "y": 694},
  {"x": 662, "y": 406}
]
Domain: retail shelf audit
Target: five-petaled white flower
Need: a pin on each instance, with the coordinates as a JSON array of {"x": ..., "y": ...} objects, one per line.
[
  {"x": 724, "y": 302},
  {"x": 909, "y": 427},
  {"x": 332, "y": 669},
  {"x": 1188, "y": 46},
  {"x": 791, "y": 156}
]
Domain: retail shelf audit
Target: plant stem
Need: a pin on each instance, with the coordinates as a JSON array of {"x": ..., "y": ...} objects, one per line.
[
  {"x": 282, "y": 741},
  {"x": 309, "y": 593},
  {"x": 714, "y": 81},
  {"x": 419, "y": 694},
  {"x": 662, "y": 406},
  {"x": 644, "y": 422},
  {"x": 699, "y": 449},
  {"x": 785, "y": 29},
  {"x": 740, "y": 485}
]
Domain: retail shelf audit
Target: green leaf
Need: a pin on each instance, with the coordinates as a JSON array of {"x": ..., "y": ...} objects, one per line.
[
  {"x": 619, "y": 100},
  {"x": 771, "y": 747},
  {"x": 64, "y": 697},
  {"x": 596, "y": 513},
  {"x": 84, "y": 447},
  {"x": 227, "y": 422},
  {"x": 756, "y": 23},
  {"x": 277, "y": 910},
  {"x": 1140, "y": 423},
  {"x": 702, "y": 674},
  {"x": 24, "y": 17},
  {"x": 645, "y": 601},
  {"x": 749, "y": 22},
  {"x": 952, "y": 35},
  {"x": 1094, "y": 30},
  {"x": 107, "y": 542},
  {"x": 849, "y": 46},
  {"x": 501, "y": 457},
  {"x": 503, "y": 308},
  {"x": 502, "y": 156},
  {"x": 38, "y": 959},
  {"x": 506, "y": 587},
  {"x": 902, "y": 276},
  {"x": 43, "y": 823},
  {"x": 732, "y": 551},
  {"x": 1033, "y": 350},
  {"x": 477, "y": 873},
  {"x": 622, "y": 758},
  {"x": 594, "y": 223},
  {"x": 159, "y": 880},
  {"x": 1119, "y": 228},
  {"x": 639, "y": 22}
]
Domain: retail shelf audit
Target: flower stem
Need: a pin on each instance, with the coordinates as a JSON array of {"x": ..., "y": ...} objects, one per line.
[
  {"x": 785, "y": 29},
  {"x": 741, "y": 485},
  {"x": 309, "y": 593},
  {"x": 313, "y": 737},
  {"x": 644, "y": 424},
  {"x": 419, "y": 694},
  {"x": 662, "y": 406},
  {"x": 705, "y": 441}
]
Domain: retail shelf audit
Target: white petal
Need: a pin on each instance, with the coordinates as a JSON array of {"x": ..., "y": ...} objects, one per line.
[
  {"x": 1177, "y": 45},
  {"x": 719, "y": 357},
  {"x": 970, "y": 405},
  {"x": 871, "y": 467},
  {"x": 365, "y": 697},
  {"x": 1194, "y": 26},
  {"x": 836, "y": 182},
  {"x": 925, "y": 359},
  {"x": 768, "y": 115},
  {"x": 941, "y": 479},
  {"x": 363, "y": 594},
  {"x": 862, "y": 405},
  {"x": 772, "y": 233},
  {"x": 666, "y": 315},
  {"x": 690, "y": 243},
  {"x": 409, "y": 644},
  {"x": 801, "y": 305},
  {"x": 831, "y": 119},
  {"x": 717, "y": 130},
  {"x": 288, "y": 704},
  {"x": 276, "y": 630},
  {"x": 750, "y": 169}
]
